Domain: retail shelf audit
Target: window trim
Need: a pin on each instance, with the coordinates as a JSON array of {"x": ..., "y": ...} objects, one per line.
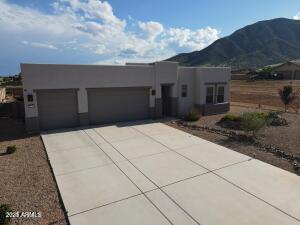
[
  {"x": 213, "y": 94},
  {"x": 217, "y": 94}
]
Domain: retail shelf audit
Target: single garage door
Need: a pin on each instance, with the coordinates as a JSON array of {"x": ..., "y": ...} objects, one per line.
[
  {"x": 107, "y": 105},
  {"x": 57, "y": 109}
]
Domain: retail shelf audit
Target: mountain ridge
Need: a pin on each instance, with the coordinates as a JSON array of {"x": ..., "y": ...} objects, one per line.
[{"x": 262, "y": 43}]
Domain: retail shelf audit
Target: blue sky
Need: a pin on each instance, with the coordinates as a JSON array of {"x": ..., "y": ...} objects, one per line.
[{"x": 118, "y": 31}]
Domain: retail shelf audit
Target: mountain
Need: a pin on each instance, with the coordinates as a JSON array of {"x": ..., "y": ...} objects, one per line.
[{"x": 260, "y": 44}]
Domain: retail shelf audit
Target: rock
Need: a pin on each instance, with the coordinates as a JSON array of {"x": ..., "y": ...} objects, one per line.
[{"x": 297, "y": 167}]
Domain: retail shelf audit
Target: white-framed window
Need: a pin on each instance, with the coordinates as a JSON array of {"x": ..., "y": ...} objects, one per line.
[
  {"x": 220, "y": 94},
  {"x": 184, "y": 91},
  {"x": 209, "y": 95}
]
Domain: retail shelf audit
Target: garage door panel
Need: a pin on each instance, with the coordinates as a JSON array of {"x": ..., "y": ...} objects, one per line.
[
  {"x": 57, "y": 109},
  {"x": 118, "y": 104}
]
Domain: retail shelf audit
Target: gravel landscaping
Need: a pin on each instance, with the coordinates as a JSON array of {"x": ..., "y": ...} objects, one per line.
[
  {"x": 279, "y": 143},
  {"x": 27, "y": 183}
]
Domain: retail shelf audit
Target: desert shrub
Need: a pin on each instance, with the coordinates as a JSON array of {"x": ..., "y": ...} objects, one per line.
[
  {"x": 4, "y": 209},
  {"x": 287, "y": 95},
  {"x": 252, "y": 122},
  {"x": 278, "y": 122},
  {"x": 262, "y": 115},
  {"x": 273, "y": 114},
  {"x": 230, "y": 121},
  {"x": 230, "y": 117},
  {"x": 11, "y": 149},
  {"x": 275, "y": 119},
  {"x": 192, "y": 115}
]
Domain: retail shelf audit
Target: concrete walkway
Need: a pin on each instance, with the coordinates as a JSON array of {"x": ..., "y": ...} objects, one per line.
[{"x": 152, "y": 174}]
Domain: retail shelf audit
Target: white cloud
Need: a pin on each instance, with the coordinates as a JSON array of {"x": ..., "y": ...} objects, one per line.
[
  {"x": 19, "y": 19},
  {"x": 190, "y": 40},
  {"x": 297, "y": 16},
  {"x": 91, "y": 9},
  {"x": 91, "y": 29},
  {"x": 40, "y": 45},
  {"x": 152, "y": 29}
]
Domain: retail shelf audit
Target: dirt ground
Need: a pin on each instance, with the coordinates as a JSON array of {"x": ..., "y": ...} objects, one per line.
[
  {"x": 264, "y": 92},
  {"x": 286, "y": 138},
  {"x": 26, "y": 183}
]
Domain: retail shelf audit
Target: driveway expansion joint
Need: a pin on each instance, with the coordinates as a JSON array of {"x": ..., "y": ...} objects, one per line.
[
  {"x": 152, "y": 183},
  {"x": 213, "y": 172},
  {"x": 128, "y": 176},
  {"x": 171, "y": 187}
]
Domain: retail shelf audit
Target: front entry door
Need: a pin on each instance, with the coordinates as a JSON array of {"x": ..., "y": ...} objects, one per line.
[{"x": 166, "y": 100}]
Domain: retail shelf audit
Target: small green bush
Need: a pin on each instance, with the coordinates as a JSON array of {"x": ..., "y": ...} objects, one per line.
[
  {"x": 193, "y": 115},
  {"x": 4, "y": 209},
  {"x": 262, "y": 115},
  {"x": 230, "y": 117},
  {"x": 275, "y": 119},
  {"x": 11, "y": 149},
  {"x": 253, "y": 122},
  {"x": 273, "y": 114}
]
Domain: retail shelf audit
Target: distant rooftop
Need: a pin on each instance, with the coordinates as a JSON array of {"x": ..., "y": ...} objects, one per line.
[{"x": 295, "y": 61}]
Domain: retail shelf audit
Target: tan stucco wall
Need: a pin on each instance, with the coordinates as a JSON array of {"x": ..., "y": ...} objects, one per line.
[
  {"x": 204, "y": 76},
  {"x": 41, "y": 76},
  {"x": 187, "y": 76},
  {"x": 166, "y": 73},
  {"x": 81, "y": 77}
]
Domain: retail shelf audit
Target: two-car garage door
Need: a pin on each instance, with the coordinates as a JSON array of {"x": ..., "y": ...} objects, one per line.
[
  {"x": 59, "y": 108},
  {"x": 108, "y": 105}
]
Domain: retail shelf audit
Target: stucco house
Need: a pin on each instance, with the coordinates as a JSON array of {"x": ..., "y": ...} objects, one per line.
[
  {"x": 62, "y": 96},
  {"x": 289, "y": 70}
]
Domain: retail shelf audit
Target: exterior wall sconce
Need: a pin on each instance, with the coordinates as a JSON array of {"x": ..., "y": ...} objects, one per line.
[{"x": 30, "y": 98}]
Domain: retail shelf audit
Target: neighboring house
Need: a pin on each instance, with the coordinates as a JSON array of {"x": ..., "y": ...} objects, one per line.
[
  {"x": 240, "y": 76},
  {"x": 61, "y": 96},
  {"x": 288, "y": 70},
  {"x": 15, "y": 91},
  {"x": 2, "y": 94}
]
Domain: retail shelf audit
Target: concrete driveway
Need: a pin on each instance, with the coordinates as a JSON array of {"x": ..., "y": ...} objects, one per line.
[{"x": 152, "y": 174}]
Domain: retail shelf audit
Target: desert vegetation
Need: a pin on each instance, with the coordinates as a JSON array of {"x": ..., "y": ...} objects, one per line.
[
  {"x": 252, "y": 123},
  {"x": 192, "y": 115},
  {"x": 287, "y": 95},
  {"x": 4, "y": 210}
]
